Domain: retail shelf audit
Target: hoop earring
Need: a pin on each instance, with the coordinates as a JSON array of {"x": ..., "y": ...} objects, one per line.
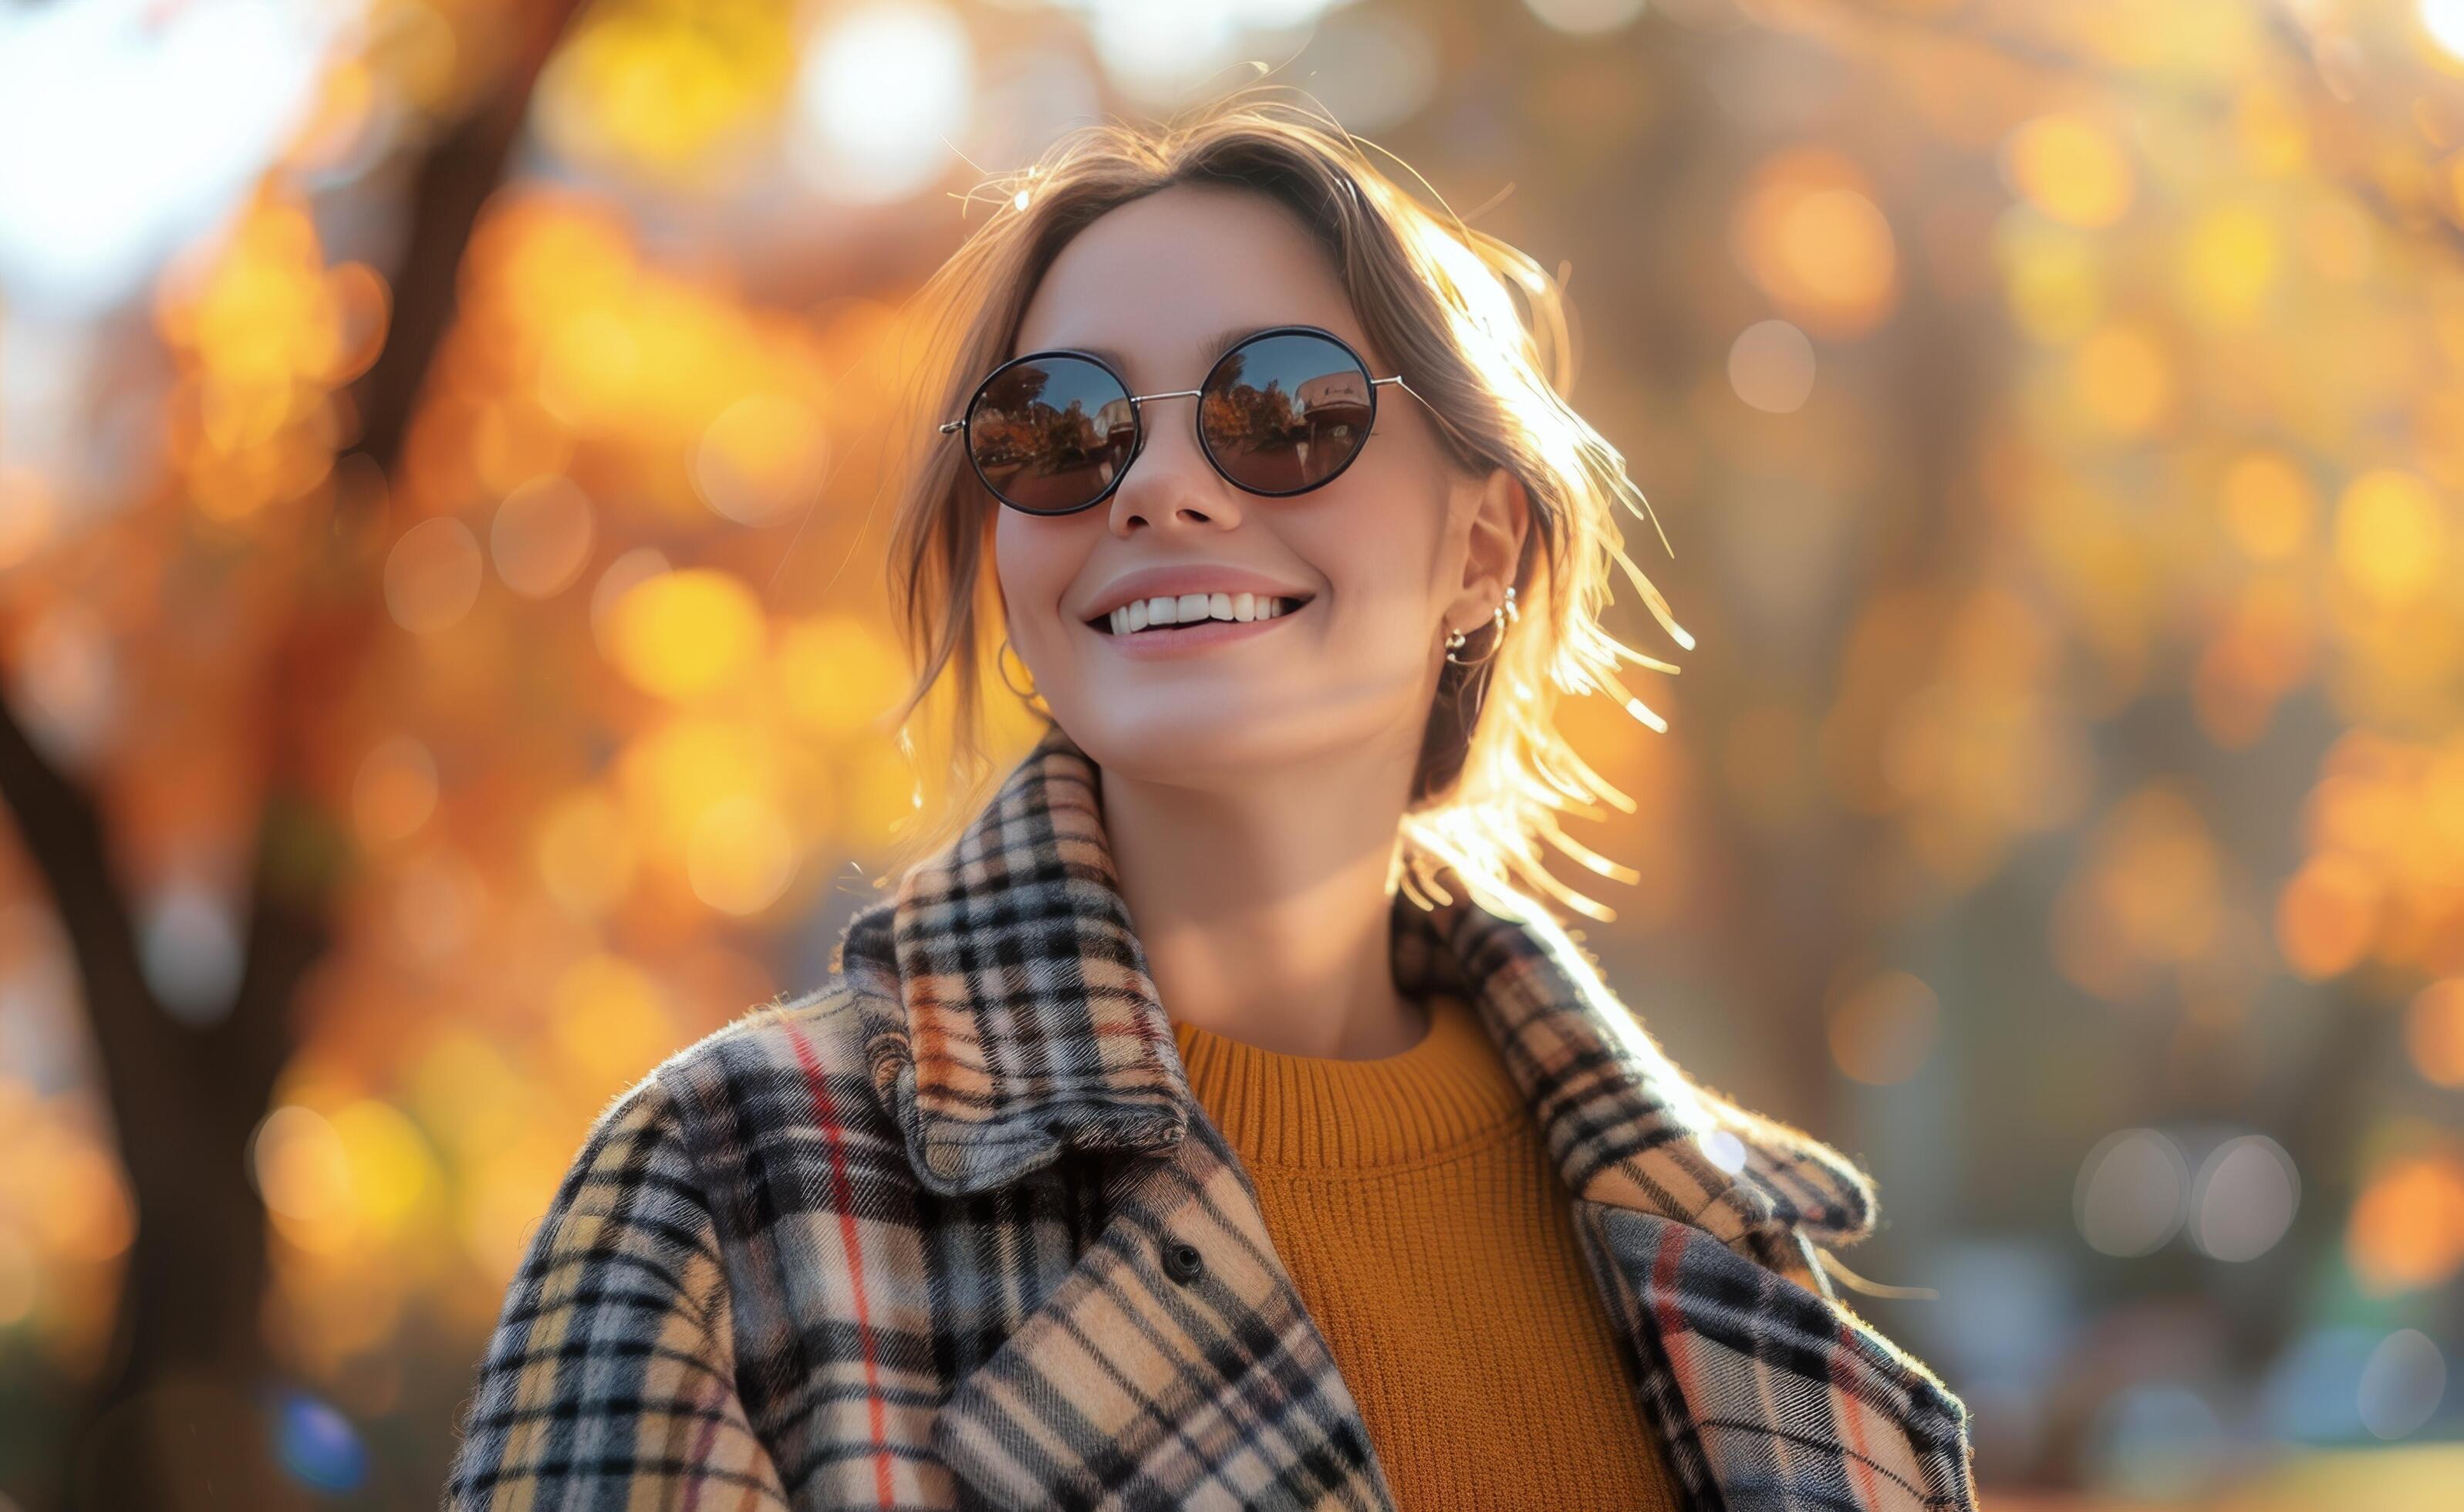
[
  {"x": 1001, "y": 666},
  {"x": 1504, "y": 614}
]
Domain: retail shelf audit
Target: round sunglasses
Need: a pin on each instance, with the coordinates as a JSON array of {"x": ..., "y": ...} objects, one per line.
[{"x": 1283, "y": 411}]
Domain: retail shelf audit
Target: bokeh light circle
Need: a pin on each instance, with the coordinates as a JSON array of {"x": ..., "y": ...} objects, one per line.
[
  {"x": 432, "y": 577},
  {"x": 1771, "y": 366},
  {"x": 2244, "y": 1199},
  {"x": 2132, "y": 1191}
]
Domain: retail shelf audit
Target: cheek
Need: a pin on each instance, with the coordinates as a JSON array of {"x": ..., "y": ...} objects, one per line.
[
  {"x": 1378, "y": 546},
  {"x": 1034, "y": 558}
]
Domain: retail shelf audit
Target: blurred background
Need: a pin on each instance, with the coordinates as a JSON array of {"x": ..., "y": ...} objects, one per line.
[{"x": 442, "y": 452}]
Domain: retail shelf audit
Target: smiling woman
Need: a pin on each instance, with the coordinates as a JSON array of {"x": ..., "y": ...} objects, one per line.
[{"x": 1220, "y": 1116}]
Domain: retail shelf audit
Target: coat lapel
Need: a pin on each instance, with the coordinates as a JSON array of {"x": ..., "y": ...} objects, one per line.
[
  {"x": 1010, "y": 1019},
  {"x": 1137, "y": 1383}
]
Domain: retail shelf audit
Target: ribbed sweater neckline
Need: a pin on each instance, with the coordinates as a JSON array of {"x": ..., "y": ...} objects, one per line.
[{"x": 1282, "y": 1112}]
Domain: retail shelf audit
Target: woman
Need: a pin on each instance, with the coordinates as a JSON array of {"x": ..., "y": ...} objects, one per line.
[{"x": 1336, "y": 1177}]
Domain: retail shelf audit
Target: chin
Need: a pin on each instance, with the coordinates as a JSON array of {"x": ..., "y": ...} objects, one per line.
[{"x": 1170, "y": 743}]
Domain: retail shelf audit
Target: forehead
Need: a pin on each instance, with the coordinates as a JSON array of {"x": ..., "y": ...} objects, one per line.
[{"x": 1156, "y": 284}]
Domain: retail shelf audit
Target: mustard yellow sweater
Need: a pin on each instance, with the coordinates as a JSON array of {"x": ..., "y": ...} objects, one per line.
[{"x": 1427, "y": 1230}]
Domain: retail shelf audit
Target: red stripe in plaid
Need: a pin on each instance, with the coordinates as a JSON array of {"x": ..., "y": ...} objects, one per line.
[{"x": 851, "y": 1246}]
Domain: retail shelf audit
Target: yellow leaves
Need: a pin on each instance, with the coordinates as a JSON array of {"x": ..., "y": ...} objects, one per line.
[
  {"x": 2123, "y": 380},
  {"x": 588, "y": 360},
  {"x": 2267, "y": 126},
  {"x": 2050, "y": 277},
  {"x": 2267, "y": 504},
  {"x": 732, "y": 801},
  {"x": 834, "y": 676},
  {"x": 354, "y": 1179},
  {"x": 2070, "y": 168},
  {"x": 662, "y": 85},
  {"x": 608, "y": 1021},
  {"x": 2391, "y": 537},
  {"x": 2228, "y": 265},
  {"x": 761, "y": 459},
  {"x": 741, "y": 857},
  {"x": 589, "y": 367},
  {"x": 263, "y": 331},
  {"x": 684, "y": 634},
  {"x": 541, "y": 256}
]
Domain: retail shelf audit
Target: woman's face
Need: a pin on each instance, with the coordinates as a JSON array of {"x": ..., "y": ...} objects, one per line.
[{"x": 1387, "y": 556}]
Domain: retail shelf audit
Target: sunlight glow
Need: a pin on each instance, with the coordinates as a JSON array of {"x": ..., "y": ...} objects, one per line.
[
  {"x": 127, "y": 127},
  {"x": 879, "y": 98}
]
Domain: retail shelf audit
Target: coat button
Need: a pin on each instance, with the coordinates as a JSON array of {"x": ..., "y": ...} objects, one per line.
[{"x": 1180, "y": 1258}]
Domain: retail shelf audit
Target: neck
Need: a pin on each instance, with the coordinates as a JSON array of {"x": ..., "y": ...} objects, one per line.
[{"x": 1263, "y": 911}]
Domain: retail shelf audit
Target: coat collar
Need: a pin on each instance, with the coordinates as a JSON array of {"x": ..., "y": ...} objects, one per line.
[{"x": 1009, "y": 1015}]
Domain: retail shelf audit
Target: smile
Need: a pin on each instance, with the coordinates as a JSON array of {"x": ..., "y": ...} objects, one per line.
[
  {"x": 1164, "y": 611},
  {"x": 1198, "y": 633}
]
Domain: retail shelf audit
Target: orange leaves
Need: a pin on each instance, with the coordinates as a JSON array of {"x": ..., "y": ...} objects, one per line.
[
  {"x": 2384, "y": 875},
  {"x": 1808, "y": 232},
  {"x": 2147, "y": 901},
  {"x": 263, "y": 332},
  {"x": 2407, "y": 1230}
]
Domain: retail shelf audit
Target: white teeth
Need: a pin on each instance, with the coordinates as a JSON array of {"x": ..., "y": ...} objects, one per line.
[{"x": 1190, "y": 607}]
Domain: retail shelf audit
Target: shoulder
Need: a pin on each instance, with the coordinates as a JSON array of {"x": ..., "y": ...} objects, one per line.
[{"x": 773, "y": 1079}]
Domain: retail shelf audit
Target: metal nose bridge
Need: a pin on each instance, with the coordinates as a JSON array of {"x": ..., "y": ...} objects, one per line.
[
  {"x": 949, "y": 426},
  {"x": 946, "y": 427}
]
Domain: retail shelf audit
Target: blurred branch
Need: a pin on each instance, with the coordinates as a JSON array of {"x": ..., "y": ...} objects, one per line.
[{"x": 456, "y": 177}]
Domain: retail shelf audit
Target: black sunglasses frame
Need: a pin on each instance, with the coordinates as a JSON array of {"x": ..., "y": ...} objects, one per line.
[{"x": 1138, "y": 417}]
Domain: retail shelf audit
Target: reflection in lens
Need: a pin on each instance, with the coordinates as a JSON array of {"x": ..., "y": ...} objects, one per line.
[
  {"x": 1050, "y": 434},
  {"x": 1283, "y": 414}
]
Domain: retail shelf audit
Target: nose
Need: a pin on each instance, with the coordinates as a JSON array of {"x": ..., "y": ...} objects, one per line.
[{"x": 1169, "y": 482}]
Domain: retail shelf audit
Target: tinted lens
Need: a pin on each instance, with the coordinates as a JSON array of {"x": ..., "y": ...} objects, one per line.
[
  {"x": 1283, "y": 414},
  {"x": 1049, "y": 435}
]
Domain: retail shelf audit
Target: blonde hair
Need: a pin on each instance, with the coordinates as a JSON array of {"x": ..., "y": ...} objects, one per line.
[{"x": 1483, "y": 336}]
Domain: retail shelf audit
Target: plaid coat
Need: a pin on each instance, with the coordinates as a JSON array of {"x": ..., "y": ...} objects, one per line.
[{"x": 950, "y": 1230}]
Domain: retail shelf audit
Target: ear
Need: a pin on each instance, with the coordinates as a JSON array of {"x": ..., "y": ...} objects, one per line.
[{"x": 1501, "y": 521}]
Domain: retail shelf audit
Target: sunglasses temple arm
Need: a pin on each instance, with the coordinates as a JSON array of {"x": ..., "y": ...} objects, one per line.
[{"x": 1438, "y": 414}]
